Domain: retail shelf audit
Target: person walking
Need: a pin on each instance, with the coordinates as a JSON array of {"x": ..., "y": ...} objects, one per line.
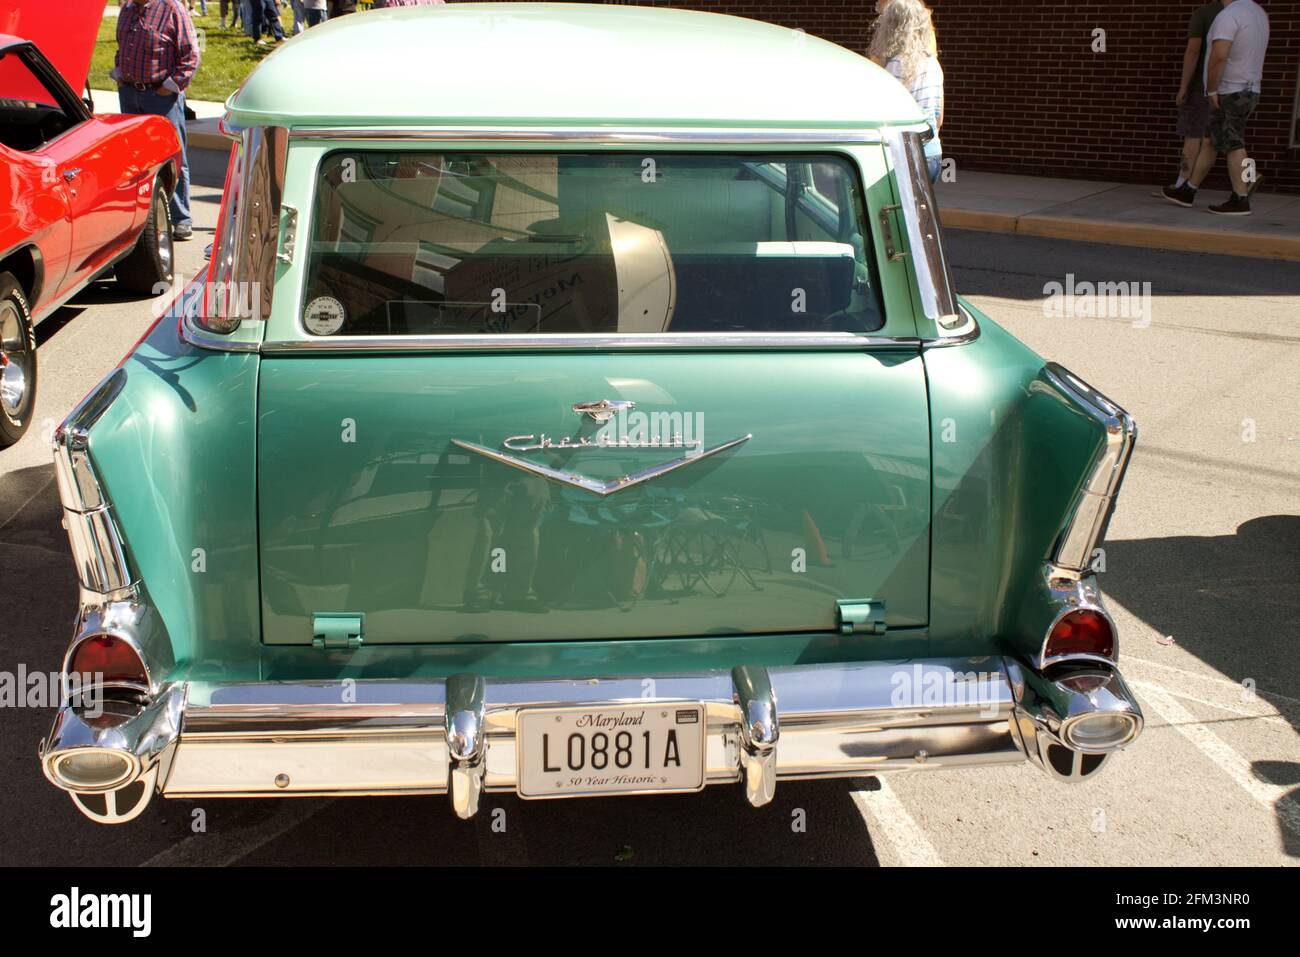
[
  {"x": 903, "y": 42},
  {"x": 1234, "y": 67},
  {"x": 262, "y": 19},
  {"x": 1193, "y": 107},
  {"x": 313, "y": 12},
  {"x": 234, "y": 7},
  {"x": 157, "y": 56}
]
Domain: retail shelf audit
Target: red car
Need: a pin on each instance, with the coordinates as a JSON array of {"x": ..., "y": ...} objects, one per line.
[{"x": 80, "y": 195}]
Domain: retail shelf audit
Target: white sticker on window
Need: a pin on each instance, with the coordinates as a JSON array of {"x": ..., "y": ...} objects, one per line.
[{"x": 324, "y": 316}]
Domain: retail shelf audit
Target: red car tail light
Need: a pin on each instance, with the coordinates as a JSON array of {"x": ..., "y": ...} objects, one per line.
[
  {"x": 1081, "y": 632},
  {"x": 111, "y": 660}
]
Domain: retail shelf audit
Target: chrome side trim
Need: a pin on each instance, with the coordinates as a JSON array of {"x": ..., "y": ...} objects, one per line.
[
  {"x": 596, "y": 486},
  {"x": 98, "y": 553},
  {"x": 77, "y": 481},
  {"x": 96, "y": 543},
  {"x": 592, "y": 134},
  {"x": 579, "y": 341},
  {"x": 1091, "y": 511}
]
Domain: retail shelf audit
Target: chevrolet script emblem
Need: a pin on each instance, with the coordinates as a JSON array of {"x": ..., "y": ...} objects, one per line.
[{"x": 601, "y": 411}]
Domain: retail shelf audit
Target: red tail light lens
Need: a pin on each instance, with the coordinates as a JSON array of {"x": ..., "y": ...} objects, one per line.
[
  {"x": 1082, "y": 632},
  {"x": 111, "y": 657}
]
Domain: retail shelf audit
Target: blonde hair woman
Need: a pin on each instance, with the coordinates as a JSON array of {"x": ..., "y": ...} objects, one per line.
[{"x": 903, "y": 42}]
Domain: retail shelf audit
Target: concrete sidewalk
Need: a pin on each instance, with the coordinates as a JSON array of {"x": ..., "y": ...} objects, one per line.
[
  {"x": 1120, "y": 214},
  {"x": 201, "y": 132}
]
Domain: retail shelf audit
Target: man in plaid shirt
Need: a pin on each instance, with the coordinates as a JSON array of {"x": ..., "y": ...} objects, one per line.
[{"x": 157, "y": 55}]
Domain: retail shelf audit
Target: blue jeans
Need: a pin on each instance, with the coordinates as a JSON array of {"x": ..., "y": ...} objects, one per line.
[
  {"x": 298, "y": 18},
  {"x": 934, "y": 164},
  {"x": 271, "y": 19},
  {"x": 262, "y": 16},
  {"x": 173, "y": 109},
  {"x": 315, "y": 17}
]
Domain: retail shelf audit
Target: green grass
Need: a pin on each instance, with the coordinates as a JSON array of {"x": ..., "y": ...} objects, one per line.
[{"x": 228, "y": 55}]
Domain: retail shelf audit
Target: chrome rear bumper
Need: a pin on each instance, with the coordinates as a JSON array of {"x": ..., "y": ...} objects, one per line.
[{"x": 458, "y": 735}]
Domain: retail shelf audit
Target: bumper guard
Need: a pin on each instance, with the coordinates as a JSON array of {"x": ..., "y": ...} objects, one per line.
[{"x": 458, "y": 735}]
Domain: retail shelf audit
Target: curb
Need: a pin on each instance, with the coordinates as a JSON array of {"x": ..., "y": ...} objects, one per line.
[
  {"x": 203, "y": 135},
  {"x": 1148, "y": 236}
]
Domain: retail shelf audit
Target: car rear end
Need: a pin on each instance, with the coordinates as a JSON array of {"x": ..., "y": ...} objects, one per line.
[{"x": 581, "y": 462}]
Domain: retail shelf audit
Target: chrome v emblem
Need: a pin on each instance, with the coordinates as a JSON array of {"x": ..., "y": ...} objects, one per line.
[{"x": 596, "y": 485}]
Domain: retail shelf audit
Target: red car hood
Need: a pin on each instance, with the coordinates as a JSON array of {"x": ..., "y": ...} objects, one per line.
[{"x": 64, "y": 30}]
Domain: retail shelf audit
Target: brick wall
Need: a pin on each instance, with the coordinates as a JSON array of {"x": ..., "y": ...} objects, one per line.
[{"x": 1025, "y": 93}]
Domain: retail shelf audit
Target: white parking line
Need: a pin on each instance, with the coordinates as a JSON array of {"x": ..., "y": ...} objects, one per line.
[
  {"x": 886, "y": 817},
  {"x": 1232, "y": 763},
  {"x": 1212, "y": 679},
  {"x": 1270, "y": 718}
]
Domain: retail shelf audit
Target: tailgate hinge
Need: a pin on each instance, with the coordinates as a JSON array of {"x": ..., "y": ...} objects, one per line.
[
  {"x": 861, "y": 615},
  {"x": 336, "y": 629}
]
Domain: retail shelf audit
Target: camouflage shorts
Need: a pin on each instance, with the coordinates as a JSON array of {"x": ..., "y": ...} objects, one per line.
[{"x": 1227, "y": 127}]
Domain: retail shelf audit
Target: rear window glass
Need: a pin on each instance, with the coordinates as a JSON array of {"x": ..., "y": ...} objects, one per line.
[{"x": 419, "y": 243}]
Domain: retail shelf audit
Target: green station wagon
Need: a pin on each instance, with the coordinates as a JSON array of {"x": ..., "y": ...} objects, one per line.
[{"x": 577, "y": 403}]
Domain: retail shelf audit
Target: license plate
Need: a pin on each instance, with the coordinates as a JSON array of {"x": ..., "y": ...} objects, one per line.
[{"x": 625, "y": 749}]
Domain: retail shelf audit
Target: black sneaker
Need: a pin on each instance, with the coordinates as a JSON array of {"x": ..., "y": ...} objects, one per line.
[
  {"x": 1234, "y": 205},
  {"x": 1184, "y": 195}
]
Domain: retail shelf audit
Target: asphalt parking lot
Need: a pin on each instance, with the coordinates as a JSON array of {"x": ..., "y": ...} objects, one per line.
[{"x": 1202, "y": 575}]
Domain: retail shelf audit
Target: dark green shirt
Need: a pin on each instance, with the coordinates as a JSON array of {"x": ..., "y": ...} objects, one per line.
[{"x": 1199, "y": 26}]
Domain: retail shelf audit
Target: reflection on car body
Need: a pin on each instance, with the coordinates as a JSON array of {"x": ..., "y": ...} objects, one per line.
[{"x": 393, "y": 449}]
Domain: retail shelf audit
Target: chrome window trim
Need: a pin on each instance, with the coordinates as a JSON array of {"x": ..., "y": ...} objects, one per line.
[
  {"x": 249, "y": 241},
  {"x": 580, "y": 341},
  {"x": 1090, "y": 512},
  {"x": 221, "y": 271},
  {"x": 961, "y": 335},
  {"x": 924, "y": 237},
  {"x": 592, "y": 134},
  {"x": 194, "y": 334},
  {"x": 594, "y": 341}
]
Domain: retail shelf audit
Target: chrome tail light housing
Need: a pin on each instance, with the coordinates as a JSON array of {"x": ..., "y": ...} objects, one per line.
[{"x": 1069, "y": 720}]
